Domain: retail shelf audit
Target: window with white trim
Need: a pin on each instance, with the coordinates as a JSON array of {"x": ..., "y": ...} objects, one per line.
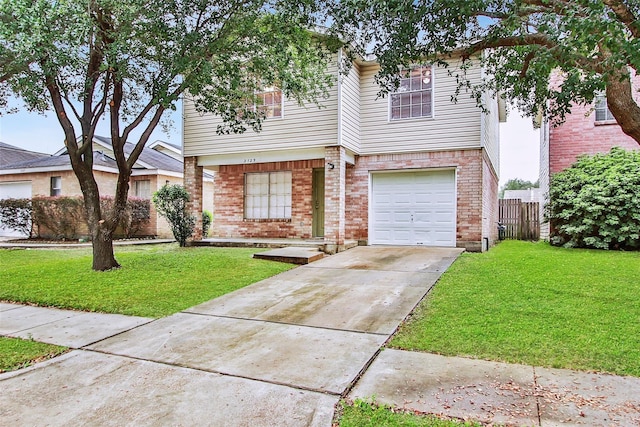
[
  {"x": 56, "y": 185},
  {"x": 269, "y": 102},
  {"x": 267, "y": 195},
  {"x": 602, "y": 110},
  {"x": 142, "y": 188},
  {"x": 414, "y": 96}
]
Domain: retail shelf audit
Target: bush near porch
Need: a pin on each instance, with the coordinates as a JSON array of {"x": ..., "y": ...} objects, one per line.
[{"x": 534, "y": 304}]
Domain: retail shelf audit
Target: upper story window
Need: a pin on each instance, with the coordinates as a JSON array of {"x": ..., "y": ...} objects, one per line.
[
  {"x": 602, "y": 110},
  {"x": 414, "y": 97},
  {"x": 142, "y": 188},
  {"x": 56, "y": 186},
  {"x": 267, "y": 195},
  {"x": 269, "y": 102}
]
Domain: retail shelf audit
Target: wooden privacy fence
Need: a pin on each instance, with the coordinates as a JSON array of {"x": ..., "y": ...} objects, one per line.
[{"x": 521, "y": 220}]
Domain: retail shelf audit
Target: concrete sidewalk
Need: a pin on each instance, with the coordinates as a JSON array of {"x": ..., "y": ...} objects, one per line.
[{"x": 283, "y": 352}]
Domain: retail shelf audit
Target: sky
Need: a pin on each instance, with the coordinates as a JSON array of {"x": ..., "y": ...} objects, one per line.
[{"x": 519, "y": 142}]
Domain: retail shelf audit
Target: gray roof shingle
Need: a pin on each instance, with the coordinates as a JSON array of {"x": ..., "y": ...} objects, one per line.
[{"x": 10, "y": 154}]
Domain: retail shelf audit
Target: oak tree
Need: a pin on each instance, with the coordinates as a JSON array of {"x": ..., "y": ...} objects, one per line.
[
  {"x": 594, "y": 45},
  {"x": 129, "y": 62}
]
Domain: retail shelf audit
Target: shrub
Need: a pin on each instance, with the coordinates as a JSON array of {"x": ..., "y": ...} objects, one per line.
[
  {"x": 61, "y": 217},
  {"x": 15, "y": 214},
  {"x": 135, "y": 216},
  {"x": 596, "y": 202},
  {"x": 207, "y": 219},
  {"x": 171, "y": 202}
]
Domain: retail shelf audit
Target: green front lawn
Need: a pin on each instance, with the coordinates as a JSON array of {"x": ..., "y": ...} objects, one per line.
[
  {"x": 16, "y": 353},
  {"x": 154, "y": 281},
  {"x": 535, "y": 304},
  {"x": 366, "y": 414}
]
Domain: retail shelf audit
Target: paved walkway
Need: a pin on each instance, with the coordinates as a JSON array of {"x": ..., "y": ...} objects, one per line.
[{"x": 283, "y": 352}]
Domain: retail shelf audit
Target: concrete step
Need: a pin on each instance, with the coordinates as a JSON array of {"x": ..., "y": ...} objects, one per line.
[{"x": 292, "y": 255}]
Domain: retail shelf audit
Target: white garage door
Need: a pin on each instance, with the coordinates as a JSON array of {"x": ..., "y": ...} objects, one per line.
[
  {"x": 14, "y": 190},
  {"x": 413, "y": 208}
]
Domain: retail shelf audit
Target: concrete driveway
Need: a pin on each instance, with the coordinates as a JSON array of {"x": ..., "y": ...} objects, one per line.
[{"x": 279, "y": 352}]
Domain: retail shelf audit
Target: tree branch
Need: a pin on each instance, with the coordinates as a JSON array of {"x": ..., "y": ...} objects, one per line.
[{"x": 625, "y": 16}]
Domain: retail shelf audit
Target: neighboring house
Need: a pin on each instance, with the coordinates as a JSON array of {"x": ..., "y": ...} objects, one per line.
[
  {"x": 10, "y": 154},
  {"x": 527, "y": 195},
  {"x": 587, "y": 130},
  {"x": 51, "y": 175},
  {"x": 413, "y": 168}
]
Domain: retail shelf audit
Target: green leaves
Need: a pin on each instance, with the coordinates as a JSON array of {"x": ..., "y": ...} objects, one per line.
[
  {"x": 521, "y": 43},
  {"x": 171, "y": 202},
  {"x": 595, "y": 203}
]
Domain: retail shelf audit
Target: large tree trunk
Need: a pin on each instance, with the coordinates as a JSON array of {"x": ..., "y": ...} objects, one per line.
[
  {"x": 103, "y": 255},
  {"x": 101, "y": 224},
  {"x": 622, "y": 105}
]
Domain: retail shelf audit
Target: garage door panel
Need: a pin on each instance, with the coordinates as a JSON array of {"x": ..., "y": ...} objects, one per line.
[
  {"x": 14, "y": 190},
  {"x": 413, "y": 208}
]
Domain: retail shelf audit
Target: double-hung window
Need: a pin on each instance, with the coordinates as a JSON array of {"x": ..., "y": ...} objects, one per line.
[
  {"x": 56, "y": 186},
  {"x": 602, "y": 110},
  {"x": 142, "y": 188},
  {"x": 269, "y": 102},
  {"x": 267, "y": 195},
  {"x": 414, "y": 96}
]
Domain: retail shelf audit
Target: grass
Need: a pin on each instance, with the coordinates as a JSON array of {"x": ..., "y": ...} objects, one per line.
[
  {"x": 154, "y": 281},
  {"x": 535, "y": 304},
  {"x": 16, "y": 353},
  {"x": 366, "y": 414}
]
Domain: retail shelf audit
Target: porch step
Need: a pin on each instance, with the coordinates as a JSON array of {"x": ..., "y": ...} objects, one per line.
[{"x": 292, "y": 255}]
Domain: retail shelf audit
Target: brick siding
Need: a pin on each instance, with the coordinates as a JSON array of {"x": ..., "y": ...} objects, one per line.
[
  {"x": 228, "y": 203},
  {"x": 477, "y": 187}
]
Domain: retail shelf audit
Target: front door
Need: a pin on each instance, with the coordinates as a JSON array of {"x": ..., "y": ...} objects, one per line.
[{"x": 318, "y": 203}]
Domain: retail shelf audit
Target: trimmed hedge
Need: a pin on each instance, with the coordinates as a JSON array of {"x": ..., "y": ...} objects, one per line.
[
  {"x": 64, "y": 217},
  {"x": 596, "y": 202}
]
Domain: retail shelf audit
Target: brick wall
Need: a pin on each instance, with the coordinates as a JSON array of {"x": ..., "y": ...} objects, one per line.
[
  {"x": 469, "y": 179},
  {"x": 229, "y": 201},
  {"x": 489, "y": 203},
  {"x": 477, "y": 188},
  {"x": 335, "y": 198},
  {"x": 580, "y": 134},
  {"x": 41, "y": 183}
]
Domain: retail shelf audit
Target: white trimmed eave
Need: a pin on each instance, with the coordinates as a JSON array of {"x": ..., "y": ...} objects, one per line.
[
  {"x": 250, "y": 157},
  {"x": 143, "y": 172}
]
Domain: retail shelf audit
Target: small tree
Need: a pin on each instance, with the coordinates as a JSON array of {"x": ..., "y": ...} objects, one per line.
[
  {"x": 595, "y": 203},
  {"x": 171, "y": 202},
  {"x": 517, "y": 184}
]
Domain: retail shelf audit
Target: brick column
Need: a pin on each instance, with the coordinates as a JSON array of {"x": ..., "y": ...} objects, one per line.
[
  {"x": 193, "y": 185},
  {"x": 334, "y": 199}
]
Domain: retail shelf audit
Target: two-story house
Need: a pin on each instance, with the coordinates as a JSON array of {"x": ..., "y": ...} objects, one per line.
[
  {"x": 588, "y": 130},
  {"x": 413, "y": 168}
]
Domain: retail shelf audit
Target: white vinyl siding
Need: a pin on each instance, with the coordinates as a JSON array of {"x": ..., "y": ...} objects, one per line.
[
  {"x": 453, "y": 126},
  {"x": 491, "y": 132},
  {"x": 302, "y": 127},
  {"x": 267, "y": 195},
  {"x": 413, "y": 208},
  {"x": 350, "y": 110}
]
